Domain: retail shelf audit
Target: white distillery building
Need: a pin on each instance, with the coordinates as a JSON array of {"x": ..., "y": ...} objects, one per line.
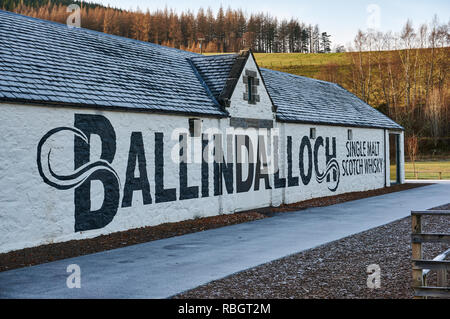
[{"x": 101, "y": 134}]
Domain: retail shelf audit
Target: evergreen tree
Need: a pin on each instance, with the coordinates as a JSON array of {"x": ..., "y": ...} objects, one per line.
[
  {"x": 325, "y": 44},
  {"x": 228, "y": 31}
]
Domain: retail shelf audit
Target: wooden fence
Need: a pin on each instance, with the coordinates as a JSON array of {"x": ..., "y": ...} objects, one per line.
[
  {"x": 421, "y": 267},
  {"x": 435, "y": 174}
]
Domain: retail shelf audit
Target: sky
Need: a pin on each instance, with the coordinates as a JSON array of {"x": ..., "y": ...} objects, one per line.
[{"x": 341, "y": 19}]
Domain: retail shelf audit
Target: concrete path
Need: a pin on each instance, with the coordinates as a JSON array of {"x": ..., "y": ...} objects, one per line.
[{"x": 166, "y": 267}]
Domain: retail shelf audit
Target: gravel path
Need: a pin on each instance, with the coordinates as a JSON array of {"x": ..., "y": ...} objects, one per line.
[{"x": 336, "y": 269}]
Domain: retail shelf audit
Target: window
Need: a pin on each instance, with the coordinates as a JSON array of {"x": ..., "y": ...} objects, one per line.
[
  {"x": 250, "y": 85},
  {"x": 349, "y": 135},
  {"x": 195, "y": 127},
  {"x": 312, "y": 133},
  {"x": 251, "y": 82}
]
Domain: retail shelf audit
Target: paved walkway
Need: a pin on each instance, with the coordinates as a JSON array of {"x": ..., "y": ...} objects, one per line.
[{"x": 166, "y": 267}]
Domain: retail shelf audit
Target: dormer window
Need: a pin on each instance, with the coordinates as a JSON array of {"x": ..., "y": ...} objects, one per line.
[{"x": 251, "y": 82}]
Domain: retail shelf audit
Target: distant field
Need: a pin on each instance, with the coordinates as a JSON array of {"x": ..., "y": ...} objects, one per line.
[
  {"x": 287, "y": 59},
  {"x": 313, "y": 65},
  {"x": 426, "y": 170},
  {"x": 310, "y": 65}
]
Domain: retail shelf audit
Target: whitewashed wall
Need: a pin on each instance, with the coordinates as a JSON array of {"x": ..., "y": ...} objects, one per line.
[
  {"x": 241, "y": 108},
  {"x": 347, "y": 182},
  {"x": 34, "y": 213}
]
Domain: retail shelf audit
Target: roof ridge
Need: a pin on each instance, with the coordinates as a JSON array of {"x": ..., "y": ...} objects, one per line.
[
  {"x": 81, "y": 29},
  {"x": 201, "y": 56},
  {"x": 112, "y": 71}
]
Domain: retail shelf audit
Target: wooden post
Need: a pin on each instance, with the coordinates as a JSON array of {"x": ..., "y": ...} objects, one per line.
[
  {"x": 442, "y": 278},
  {"x": 440, "y": 175},
  {"x": 416, "y": 223}
]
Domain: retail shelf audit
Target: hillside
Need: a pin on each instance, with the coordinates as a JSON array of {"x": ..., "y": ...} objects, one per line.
[
  {"x": 310, "y": 65},
  {"x": 305, "y": 64}
]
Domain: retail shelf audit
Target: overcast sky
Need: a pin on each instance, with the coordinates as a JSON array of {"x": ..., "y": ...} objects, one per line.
[{"x": 341, "y": 19}]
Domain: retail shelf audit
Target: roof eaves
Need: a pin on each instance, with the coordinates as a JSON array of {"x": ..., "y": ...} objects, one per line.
[
  {"x": 219, "y": 114},
  {"x": 382, "y": 114},
  {"x": 327, "y": 123}
]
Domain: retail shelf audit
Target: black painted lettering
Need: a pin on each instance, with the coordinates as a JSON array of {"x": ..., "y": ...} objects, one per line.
[
  {"x": 292, "y": 181},
  {"x": 162, "y": 195},
  {"x": 132, "y": 183},
  {"x": 306, "y": 178},
  {"x": 85, "y": 219},
  {"x": 186, "y": 192},
  {"x": 261, "y": 154}
]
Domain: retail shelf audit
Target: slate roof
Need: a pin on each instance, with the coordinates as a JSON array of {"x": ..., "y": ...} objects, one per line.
[
  {"x": 48, "y": 63},
  {"x": 214, "y": 70},
  {"x": 302, "y": 99},
  {"x": 297, "y": 98}
]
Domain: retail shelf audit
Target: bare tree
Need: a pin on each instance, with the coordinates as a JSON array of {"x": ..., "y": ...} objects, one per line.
[
  {"x": 434, "y": 114},
  {"x": 407, "y": 38},
  {"x": 412, "y": 147}
]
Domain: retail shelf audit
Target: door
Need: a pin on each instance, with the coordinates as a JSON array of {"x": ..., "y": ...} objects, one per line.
[{"x": 394, "y": 157}]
